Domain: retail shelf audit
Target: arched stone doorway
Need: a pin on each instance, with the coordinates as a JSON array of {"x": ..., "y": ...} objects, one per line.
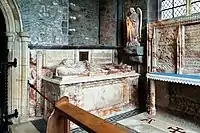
[
  {"x": 17, "y": 43},
  {"x": 3, "y": 58}
]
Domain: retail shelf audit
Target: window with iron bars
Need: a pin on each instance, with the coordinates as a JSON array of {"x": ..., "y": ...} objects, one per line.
[{"x": 176, "y": 8}]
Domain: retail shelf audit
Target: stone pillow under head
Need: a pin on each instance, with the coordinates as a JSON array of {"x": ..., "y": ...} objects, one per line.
[{"x": 67, "y": 69}]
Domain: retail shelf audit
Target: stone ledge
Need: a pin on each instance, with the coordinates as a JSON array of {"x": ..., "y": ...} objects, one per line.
[{"x": 76, "y": 79}]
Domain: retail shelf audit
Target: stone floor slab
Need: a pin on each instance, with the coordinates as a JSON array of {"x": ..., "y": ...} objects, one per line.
[
  {"x": 131, "y": 121},
  {"x": 27, "y": 127},
  {"x": 161, "y": 123}
]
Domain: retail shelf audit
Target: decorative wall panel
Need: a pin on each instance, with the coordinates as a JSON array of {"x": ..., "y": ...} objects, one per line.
[
  {"x": 166, "y": 49},
  {"x": 192, "y": 49},
  {"x": 174, "y": 46}
]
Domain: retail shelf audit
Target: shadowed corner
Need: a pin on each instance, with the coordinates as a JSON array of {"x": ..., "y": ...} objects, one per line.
[{"x": 40, "y": 125}]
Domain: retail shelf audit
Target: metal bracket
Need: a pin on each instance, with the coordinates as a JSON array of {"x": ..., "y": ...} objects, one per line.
[{"x": 14, "y": 63}]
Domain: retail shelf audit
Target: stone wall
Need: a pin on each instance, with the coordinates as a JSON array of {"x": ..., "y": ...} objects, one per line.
[
  {"x": 63, "y": 22},
  {"x": 43, "y": 20},
  {"x": 108, "y": 22},
  {"x": 179, "y": 99},
  {"x": 86, "y": 24}
]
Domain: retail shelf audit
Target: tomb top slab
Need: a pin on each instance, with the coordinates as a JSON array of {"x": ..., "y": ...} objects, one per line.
[{"x": 77, "y": 79}]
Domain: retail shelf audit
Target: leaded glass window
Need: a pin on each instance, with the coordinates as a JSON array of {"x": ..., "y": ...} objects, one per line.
[
  {"x": 195, "y": 6},
  {"x": 173, "y": 8},
  {"x": 176, "y": 8}
]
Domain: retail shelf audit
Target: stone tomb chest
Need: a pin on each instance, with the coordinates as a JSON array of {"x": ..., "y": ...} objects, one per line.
[{"x": 101, "y": 95}]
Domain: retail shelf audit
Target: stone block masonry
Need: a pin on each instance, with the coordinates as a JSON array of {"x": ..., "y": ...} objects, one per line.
[
  {"x": 43, "y": 21},
  {"x": 84, "y": 22},
  {"x": 65, "y": 22},
  {"x": 108, "y": 22}
]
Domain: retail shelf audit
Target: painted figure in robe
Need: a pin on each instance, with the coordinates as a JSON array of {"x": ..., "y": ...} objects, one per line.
[{"x": 133, "y": 27}]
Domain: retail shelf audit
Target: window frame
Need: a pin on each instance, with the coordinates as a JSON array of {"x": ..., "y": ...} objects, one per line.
[
  {"x": 191, "y": 6},
  {"x": 188, "y": 9}
]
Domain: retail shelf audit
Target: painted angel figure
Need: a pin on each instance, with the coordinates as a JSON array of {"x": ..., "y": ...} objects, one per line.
[{"x": 134, "y": 27}]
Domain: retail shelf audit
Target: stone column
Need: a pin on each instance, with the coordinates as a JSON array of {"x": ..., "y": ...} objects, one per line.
[
  {"x": 24, "y": 65},
  {"x": 12, "y": 84},
  {"x": 39, "y": 81},
  {"x": 18, "y": 93},
  {"x": 152, "y": 104}
]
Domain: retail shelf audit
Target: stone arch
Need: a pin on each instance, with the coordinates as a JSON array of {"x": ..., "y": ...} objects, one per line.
[
  {"x": 17, "y": 43},
  {"x": 12, "y": 15}
]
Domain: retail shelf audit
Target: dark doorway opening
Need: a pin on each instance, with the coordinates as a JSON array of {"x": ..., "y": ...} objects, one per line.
[
  {"x": 3, "y": 72},
  {"x": 3, "y": 40}
]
